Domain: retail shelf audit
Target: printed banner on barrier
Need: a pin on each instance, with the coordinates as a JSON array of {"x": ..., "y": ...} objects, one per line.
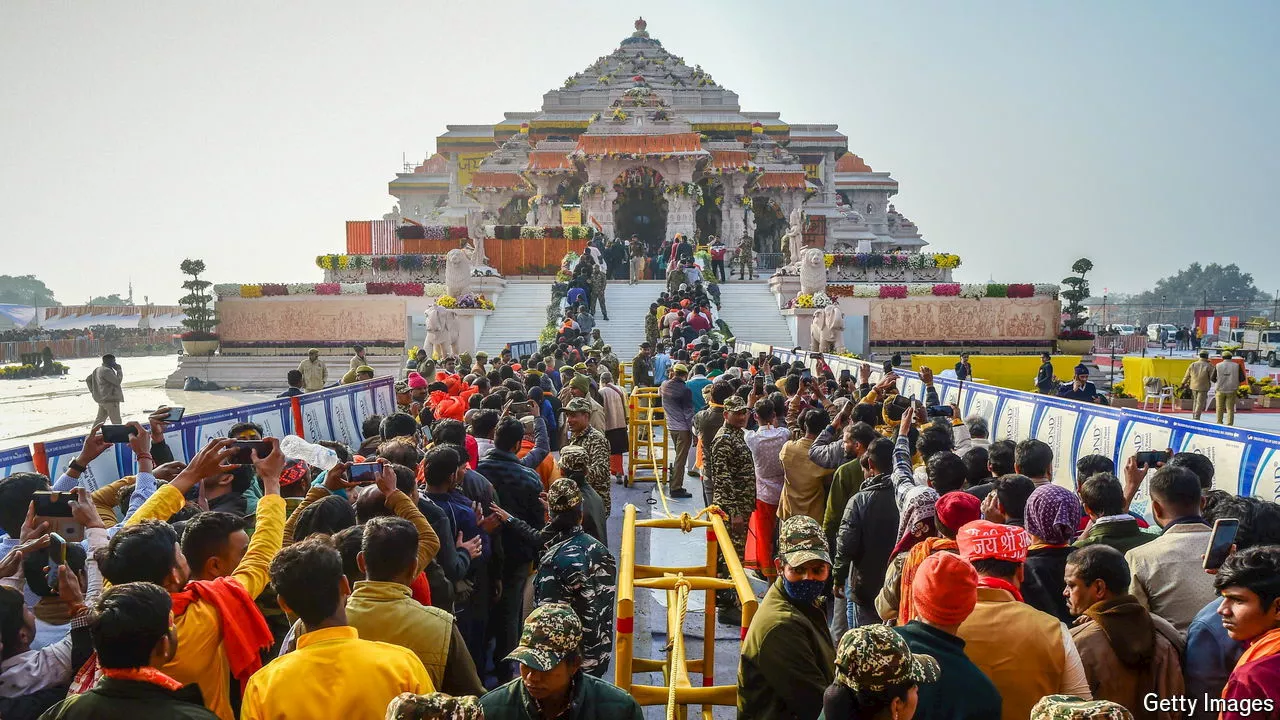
[{"x": 15, "y": 461}]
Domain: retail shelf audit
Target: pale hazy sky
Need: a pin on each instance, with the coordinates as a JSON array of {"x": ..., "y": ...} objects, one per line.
[{"x": 1023, "y": 134}]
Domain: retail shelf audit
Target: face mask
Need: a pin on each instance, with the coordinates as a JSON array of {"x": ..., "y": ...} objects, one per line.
[{"x": 804, "y": 592}]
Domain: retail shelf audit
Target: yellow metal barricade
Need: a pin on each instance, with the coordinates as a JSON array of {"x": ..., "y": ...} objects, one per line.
[
  {"x": 678, "y": 582},
  {"x": 647, "y": 436},
  {"x": 624, "y": 374}
]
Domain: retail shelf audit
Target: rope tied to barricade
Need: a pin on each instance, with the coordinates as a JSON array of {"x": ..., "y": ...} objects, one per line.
[
  {"x": 677, "y": 648},
  {"x": 686, "y": 523}
]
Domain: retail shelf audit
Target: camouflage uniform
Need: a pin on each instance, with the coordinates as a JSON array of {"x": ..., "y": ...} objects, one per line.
[
  {"x": 651, "y": 328},
  {"x": 598, "y": 283},
  {"x": 874, "y": 658},
  {"x": 434, "y": 706},
  {"x": 744, "y": 261},
  {"x": 597, "y": 447},
  {"x": 733, "y": 476},
  {"x": 578, "y": 570},
  {"x": 611, "y": 361},
  {"x": 550, "y": 632},
  {"x": 1067, "y": 707}
]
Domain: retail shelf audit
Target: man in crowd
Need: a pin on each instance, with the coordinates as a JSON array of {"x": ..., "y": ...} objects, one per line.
[
  {"x": 1044, "y": 660},
  {"x": 1046, "y": 381},
  {"x": 1127, "y": 652},
  {"x": 868, "y": 533},
  {"x": 577, "y": 415},
  {"x": 1080, "y": 388},
  {"x": 518, "y": 489},
  {"x": 1228, "y": 376},
  {"x": 944, "y": 594},
  {"x": 788, "y": 659},
  {"x": 551, "y": 682},
  {"x": 661, "y": 363},
  {"x": 733, "y": 477},
  {"x": 1198, "y": 379},
  {"x": 294, "y": 378},
  {"x": 805, "y": 489},
  {"x": 332, "y": 673},
  {"x": 105, "y": 387},
  {"x": 1168, "y": 575},
  {"x": 219, "y": 630},
  {"x": 637, "y": 259},
  {"x": 1034, "y": 458},
  {"x": 964, "y": 369},
  {"x": 1109, "y": 524},
  {"x": 1249, "y": 583},
  {"x": 642, "y": 367},
  {"x": 358, "y": 358},
  {"x": 314, "y": 372},
  {"x": 133, "y": 636},
  {"x": 678, "y": 404}
]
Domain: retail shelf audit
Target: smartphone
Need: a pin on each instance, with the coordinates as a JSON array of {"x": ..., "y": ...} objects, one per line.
[
  {"x": 426, "y": 434},
  {"x": 57, "y": 556},
  {"x": 806, "y": 376},
  {"x": 940, "y": 411},
  {"x": 365, "y": 473},
  {"x": 117, "y": 433},
  {"x": 245, "y": 449},
  {"x": 1220, "y": 542},
  {"x": 54, "y": 508},
  {"x": 174, "y": 415},
  {"x": 1151, "y": 457}
]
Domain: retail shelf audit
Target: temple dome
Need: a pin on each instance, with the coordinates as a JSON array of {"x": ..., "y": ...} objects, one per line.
[{"x": 850, "y": 163}]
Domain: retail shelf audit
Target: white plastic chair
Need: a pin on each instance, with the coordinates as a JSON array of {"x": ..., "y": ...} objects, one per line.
[{"x": 1154, "y": 390}]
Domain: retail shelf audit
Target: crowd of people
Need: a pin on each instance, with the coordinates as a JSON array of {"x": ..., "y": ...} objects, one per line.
[{"x": 459, "y": 558}]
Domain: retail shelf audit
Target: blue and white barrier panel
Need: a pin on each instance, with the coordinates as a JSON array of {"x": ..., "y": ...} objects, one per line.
[
  {"x": 332, "y": 414},
  {"x": 1246, "y": 462}
]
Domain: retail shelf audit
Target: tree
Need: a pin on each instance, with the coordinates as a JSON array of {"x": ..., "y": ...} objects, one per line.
[
  {"x": 1212, "y": 284},
  {"x": 201, "y": 319},
  {"x": 25, "y": 290},
  {"x": 1075, "y": 294},
  {"x": 113, "y": 299}
]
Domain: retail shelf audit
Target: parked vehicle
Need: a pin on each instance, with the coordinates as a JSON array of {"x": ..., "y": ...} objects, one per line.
[
  {"x": 1257, "y": 345},
  {"x": 1153, "y": 331},
  {"x": 1124, "y": 329}
]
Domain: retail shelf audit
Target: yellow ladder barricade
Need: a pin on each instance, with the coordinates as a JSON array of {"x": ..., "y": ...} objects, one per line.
[
  {"x": 678, "y": 582},
  {"x": 646, "y": 422}
]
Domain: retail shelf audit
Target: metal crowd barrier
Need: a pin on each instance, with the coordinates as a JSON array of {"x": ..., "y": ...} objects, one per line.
[
  {"x": 648, "y": 440},
  {"x": 678, "y": 691}
]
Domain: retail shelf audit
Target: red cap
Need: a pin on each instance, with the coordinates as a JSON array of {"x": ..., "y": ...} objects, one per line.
[{"x": 957, "y": 509}]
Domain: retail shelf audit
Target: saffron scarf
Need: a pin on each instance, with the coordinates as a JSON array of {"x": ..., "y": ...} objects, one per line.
[
  {"x": 917, "y": 554},
  {"x": 1266, "y": 645},
  {"x": 998, "y": 584},
  {"x": 144, "y": 674},
  {"x": 244, "y": 631}
]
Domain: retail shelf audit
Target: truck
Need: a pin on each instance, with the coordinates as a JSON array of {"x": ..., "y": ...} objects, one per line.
[{"x": 1256, "y": 344}]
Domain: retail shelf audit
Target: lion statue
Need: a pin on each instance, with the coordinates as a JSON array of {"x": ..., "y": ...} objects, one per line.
[
  {"x": 442, "y": 331},
  {"x": 457, "y": 273},
  {"x": 826, "y": 330},
  {"x": 813, "y": 271}
]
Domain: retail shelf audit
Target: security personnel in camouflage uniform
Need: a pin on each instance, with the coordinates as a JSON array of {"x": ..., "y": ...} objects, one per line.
[
  {"x": 611, "y": 361},
  {"x": 1068, "y": 707},
  {"x": 434, "y": 706},
  {"x": 733, "y": 476},
  {"x": 744, "y": 261},
  {"x": 599, "y": 280},
  {"x": 578, "y": 570},
  {"x": 551, "y": 682},
  {"x": 577, "y": 415}
]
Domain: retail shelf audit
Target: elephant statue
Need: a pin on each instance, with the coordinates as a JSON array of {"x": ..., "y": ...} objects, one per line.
[
  {"x": 442, "y": 331},
  {"x": 826, "y": 330}
]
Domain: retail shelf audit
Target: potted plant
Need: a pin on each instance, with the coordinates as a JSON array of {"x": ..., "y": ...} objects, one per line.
[
  {"x": 199, "y": 338},
  {"x": 1120, "y": 398},
  {"x": 1243, "y": 400},
  {"x": 1073, "y": 339}
]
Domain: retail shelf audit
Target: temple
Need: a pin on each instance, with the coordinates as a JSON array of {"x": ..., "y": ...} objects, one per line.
[{"x": 648, "y": 145}]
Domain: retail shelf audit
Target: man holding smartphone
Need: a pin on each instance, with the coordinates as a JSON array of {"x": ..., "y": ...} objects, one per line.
[{"x": 105, "y": 387}]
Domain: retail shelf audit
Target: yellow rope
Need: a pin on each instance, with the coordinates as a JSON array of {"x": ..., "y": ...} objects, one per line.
[{"x": 677, "y": 648}]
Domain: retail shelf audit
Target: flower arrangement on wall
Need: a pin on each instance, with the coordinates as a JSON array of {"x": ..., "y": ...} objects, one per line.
[
  {"x": 381, "y": 262},
  {"x": 688, "y": 189},
  {"x": 638, "y": 177},
  {"x": 535, "y": 232},
  {"x": 816, "y": 300},
  {"x": 923, "y": 261},
  {"x": 405, "y": 289},
  {"x": 431, "y": 232},
  {"x": 973, "y": 292},
  {"x": 469, "y": 301}
]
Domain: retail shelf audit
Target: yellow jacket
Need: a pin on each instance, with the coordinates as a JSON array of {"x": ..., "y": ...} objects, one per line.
[
  {"x": 333, "y": 674},
  {"x": 201, "y": 658}
]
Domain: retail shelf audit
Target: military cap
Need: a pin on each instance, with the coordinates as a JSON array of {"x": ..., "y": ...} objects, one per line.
[
  {"x": 578, "y": 405},
  {"x": 1068, "y": 707},
  {"x": 551, "y": 632},
  {"x": 566, "y": 368},
  {"x": 364, "y": 369},
  {"x": 580, "y": 366},
  {"x": 573, "y": 458},
  {"x": 564, "y": 495},
  {"x": 434, "y": 706},
  {"x": 800, "y": 539},
  {"x": 873, "y": 658},
  {"x": 581, "y": 383},
  {"x": 607, "y": 348},
  {"x": 733, "y": 403}
]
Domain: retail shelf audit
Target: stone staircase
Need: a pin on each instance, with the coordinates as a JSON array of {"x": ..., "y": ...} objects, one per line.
[
  {"x": 752, "y": 313},
  {"x": 748, "y": 307}
]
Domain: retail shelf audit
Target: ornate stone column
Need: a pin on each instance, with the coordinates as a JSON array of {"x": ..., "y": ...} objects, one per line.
[{"x": 680, "y": 215}]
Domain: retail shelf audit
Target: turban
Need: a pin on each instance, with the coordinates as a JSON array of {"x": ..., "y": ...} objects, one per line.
[
  {"x": 945, "y": 589},
  {"x": 417, "y": 382},
  {"x": 917, "y": 507}
]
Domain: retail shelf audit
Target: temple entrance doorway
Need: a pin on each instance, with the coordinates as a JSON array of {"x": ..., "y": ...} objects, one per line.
[
  {"x": 708, "y": 217},
  {"x": 640, "y": 211},
  {"x": 770, "y": 226}
]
